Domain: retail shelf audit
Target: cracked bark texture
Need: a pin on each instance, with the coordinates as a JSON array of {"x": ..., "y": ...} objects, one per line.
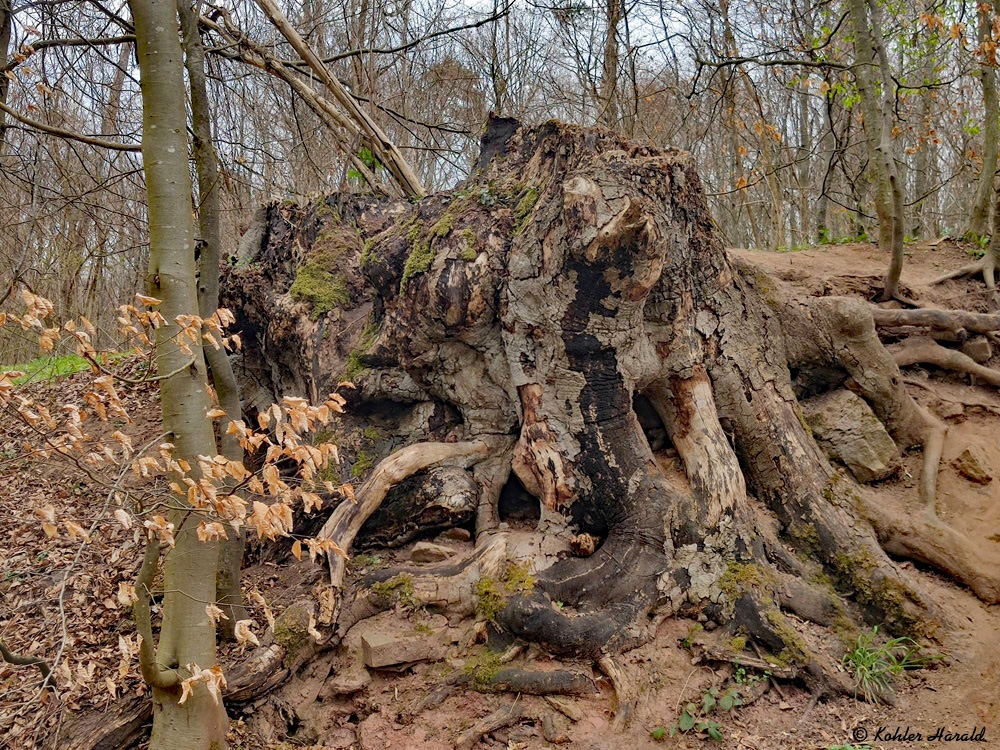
[{"x": 528, "y": 307}]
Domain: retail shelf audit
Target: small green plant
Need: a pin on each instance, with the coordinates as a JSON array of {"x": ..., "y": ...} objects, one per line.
[
  {"x": 875, "y": 667},
  {"x": 362, "y": 562},
  {"x": 694, "y": 718},
  {"x": 688, "y": 640},
  {"x": 368, "y": 159},
  {"x": 980, "y": 243},
  {"x": 486, "y": 196},
  {"x": 744, "y": 677}
]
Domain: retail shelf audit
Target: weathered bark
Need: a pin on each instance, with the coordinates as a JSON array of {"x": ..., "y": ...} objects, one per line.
[
  {"x": 571, "y": 272},
  {"x": 187, "y": 635}
]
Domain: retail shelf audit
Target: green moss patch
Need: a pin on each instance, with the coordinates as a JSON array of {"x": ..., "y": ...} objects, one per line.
[
  {"x": 318, "y": 281},
  {"x": 354, "y": 366},
  {"x": 492, "y": 593},
  {"x": 362, "y": 463},
  {"x": 291, "y": 630},
  {"x": 884, "y": 594},
  {"x": 418, "y": 261},
  {"x": 484, "y": 668},
  {"x": 740, "y": 578},
  {"x": 399, "y": 589},
  {"x": 525, "y": 205},
  {"x": 469, "y": 252}
]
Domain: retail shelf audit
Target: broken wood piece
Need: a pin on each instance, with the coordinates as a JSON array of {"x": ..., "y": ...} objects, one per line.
[
  {"x": 565, "y": 707},
  {"x": 502, "y": 717}
]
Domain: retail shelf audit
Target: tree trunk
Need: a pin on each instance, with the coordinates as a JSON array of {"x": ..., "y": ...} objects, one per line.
[
  {"x": 6, "y": 25},
  {"x": 187, "y": 634},
  {"x": 228, "y": 593},
  {"x": 802, "y": 155},
  {"x": 828, "y": 147},
  {"x": 592, "y": 274},
  {"x": 609, "y": 116},
  {"x": 890, "y": 173},
  {"x": 876, "y": 107},
  {"x": 979, "y": 220}
]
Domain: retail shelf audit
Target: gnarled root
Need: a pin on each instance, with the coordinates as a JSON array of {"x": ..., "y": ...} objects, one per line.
[
  {"x": 986, "y": 266},
  {"x": 502, "y": 717},
  {"x": 626, "y": 692},
  {"x": 929, "y": 352},
  {"x": 348, "y": 518},
  {"x": 591, "y": 275},
  {"x": 939, "y": 320}
]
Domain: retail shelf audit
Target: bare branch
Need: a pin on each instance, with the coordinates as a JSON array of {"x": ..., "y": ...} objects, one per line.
[
  {"x": 68, "y": 134},
  {"x": 384, "y": 149},
  {"x": 25, "y": 661}
]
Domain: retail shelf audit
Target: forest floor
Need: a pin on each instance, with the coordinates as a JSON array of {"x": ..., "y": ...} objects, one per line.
[{"x": 78, "y": 621}]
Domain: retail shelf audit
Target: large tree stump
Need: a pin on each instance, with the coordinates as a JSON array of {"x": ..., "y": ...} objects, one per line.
[{"x": 530, "y": 305}]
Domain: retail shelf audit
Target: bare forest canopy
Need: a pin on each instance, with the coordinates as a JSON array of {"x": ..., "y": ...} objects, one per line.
[{"x": 766, "y": 95}]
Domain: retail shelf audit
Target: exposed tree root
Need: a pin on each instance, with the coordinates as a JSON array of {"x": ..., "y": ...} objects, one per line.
[
  {"x": 626, "y": 692},
  {"x": 550, "y": 732},
  {"x": 491, "y": 677},
  {"x": 348, "y": 518},
  {"x": 941, "y": 320},
  {"x": 968, "y": 402},
  {"x": 20, "y": 660},
  {"x": 502, "y": 717},
  {"x": 985, "y": 266},
  {"x": 929, "y": 352},
  {"x": 590, "y": 274}
]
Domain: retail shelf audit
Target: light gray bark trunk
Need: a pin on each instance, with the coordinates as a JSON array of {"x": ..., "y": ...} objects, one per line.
[
  {"x": 6, "y": 26},
  {"x": 979, "y": 220},
  {"x": 209, "y": 221},
  {"x": 187, "y": 635},
  {"x": 876, "y": 103}
]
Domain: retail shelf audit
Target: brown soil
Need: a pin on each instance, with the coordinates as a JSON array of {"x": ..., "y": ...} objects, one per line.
[{"x": 960, "y": 694}]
